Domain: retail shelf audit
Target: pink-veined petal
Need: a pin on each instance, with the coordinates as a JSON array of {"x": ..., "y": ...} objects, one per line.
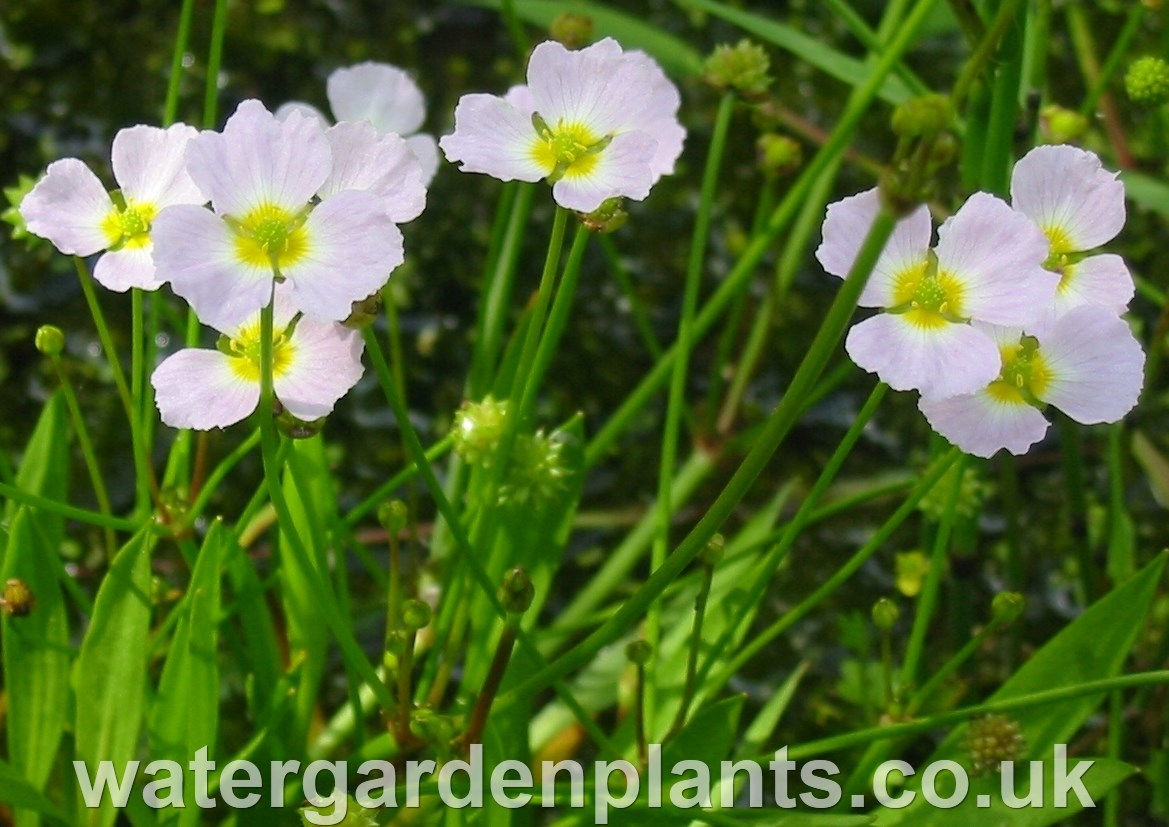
[
  {"x": 150, "y": 165},
  {"x": 307, "y": 109},
  {"x": 326, "y": 363},
  {"x": 352, "y": 247},
  {"x": 425, "y": 149},
  {"x": 594, "y": 87},
  {"x": 1096, "y": 365},
  {"x": 379, "y": 93},
  {"x": 68, "y": 207},
  {"x": 196, "y": 252},
  {"x": 620, "y": 169},
  {"x": 846, "y": 224},
  {"x": 1103, "y": 280},
  {"x": 1067, "y": 192},
  {"x": 981, "y": 425},
  {"x": 364, "y": 159},
  {"x": 996, "y": 254},
  {"x": 198, "y": 389},
  {"x": 258, "y": 161},
  {"x": 120, "y": 270},
  {"x": 657, "y": 115},
  {"x": 494, "y": 138},
  {"x": 937, "y": 361}
]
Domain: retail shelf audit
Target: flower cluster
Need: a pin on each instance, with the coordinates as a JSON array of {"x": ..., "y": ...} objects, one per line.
[
  {"x": 1008, "y": 312},
  {"x": 282, "y": 210}
]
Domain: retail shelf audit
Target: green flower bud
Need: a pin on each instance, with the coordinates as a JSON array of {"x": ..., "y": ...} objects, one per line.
[
  {"x": 743, "y": 67},
  {"x": 394, "y": 515},
  {"x": 17, "y": 599},
  {"x": 536, "y": 473},
  {"x": 638, "y": 651},
  {"x": 572, "y": 29},
  {"x": 1147, "y": 81},
  {"x": 607, "y": 218},
  {"x": 415, "y": 614},
  {"x": 1006, "y": 608},
  {"x": 911, "y": 569},
  {"x": 1060, "y": 125},
  {"x": 50, "y": 340},
  {"x": 885, "y": 614},
  {"x": 991, "y": 740},
  {"x": 712, "y": 553},
  {"x": 365, "y": 312},
  {"x": 925, "y": 117},
  {"x": 778, "y": 154},
  {"x": 477, "y": 430},
  {"x": 516, "y": 592}
]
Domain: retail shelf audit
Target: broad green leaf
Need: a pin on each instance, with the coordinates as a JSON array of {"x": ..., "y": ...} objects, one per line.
[
  {"x": 983, "y": 805},
  {"x": 673, "y": 54},
  {"x": 185, "y": 713},
  {"x": 810, "y": 49},
  {"x": 17, "y": 792},
  {"x": 36, "y": 656},
  {"x": 109, "y": 678},
  {"x": 44, "y": 468}
]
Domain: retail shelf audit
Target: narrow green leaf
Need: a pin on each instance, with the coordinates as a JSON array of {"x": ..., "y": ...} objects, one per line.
[
  {"x": 17, "y": 792},
  {"x": 185, "y": 713},
  {"x": 109, "y": 679},
  {"x": 44, "y": 468},
  {"x": 36, "y": 656}
]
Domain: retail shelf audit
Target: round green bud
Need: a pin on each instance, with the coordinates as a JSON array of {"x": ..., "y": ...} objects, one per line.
[
  {"x": 1006, "y": 608},
  {"x": 17, "y": 599},
  {"x": 925, "y": 117},
  {"x": 778, "y": 154},
  {"x": 516, "y": 592},
  {"x": 572, "y": 29},
  {"x": 743, "y": 67},
  {"x": 712, "y": 553},
  {"x": 885, "y": 614},
  {"x": 1147, "y": 81},
  {"x": 1060, "y": 125},
  {"x": 415, "y": 614},
  {"x": 638, "y": 651},
  {"x": 50, "y": 340},
  {"x": 394, "y": 515}
]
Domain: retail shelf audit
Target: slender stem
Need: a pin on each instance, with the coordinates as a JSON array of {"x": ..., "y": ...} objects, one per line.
[
  {"x": 19, "y": 495},
  {"x": 987, "y": 46},
  {"x": 370, "y": 503},
  {"x": 214, "y": 61},
  {"x": 137, "y": 384},
  {"x": 1084, "y": 44},
  {"x": 695, "y": 645},
  {"x": 404, "y": 670},
  {"x": 219, "y": 474},
  {"x": 558, "y": 314},
  {"x": 947, "y": 669},
  {"x": 1077, "y": 506},
  {"x": 170, "y": 109},
  {"x": 487, "y": 694}
]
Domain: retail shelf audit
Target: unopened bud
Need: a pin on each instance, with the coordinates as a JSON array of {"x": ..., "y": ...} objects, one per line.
[
  {"x": 394, "y": 515},
  {"x": 516, "y": 592},
  {"x": 609, "y": 217},
  {"x": 572, "y": 29},
  {"x": 415, "y": 614},
  {"x": 1147, "y": 81},
  {"x": 743, "y": 67},
  {"x": 885, "y": 614},
  {"x": 712, "y": 553},
  {"x": 17, "y": 599},
  {"x": 638, "y": 651},
  {"x": 927, "y": 116},
  {"x": 1006, "y": 608},
  {"x": 778, "y": 154},
  {"x": 50, "y": 340},
  {"x": 1060, "y": 125}
]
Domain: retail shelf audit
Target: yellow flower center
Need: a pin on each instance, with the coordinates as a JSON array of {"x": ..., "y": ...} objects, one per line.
[
  {"x": 271, "y": 236},
  {"x": 928, "y": 298},
  {"x": 1025, "y": 377},
  {"x": 243, "y": 351},
  {"x": 129, "y": 226},
  {"x": 566, "y": 150},
  {"x": 1058, "y": 240}
]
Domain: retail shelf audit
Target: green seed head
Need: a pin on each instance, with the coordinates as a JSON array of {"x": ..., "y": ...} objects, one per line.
[
  {"x": 1062, "y": 126},
  {"x": 991, "y": 740},
  {"x": 778, "y": 154},
  {"x": 17, "y": 599},
  {"x": 743, "y": 67},
  {"x": 1147, "y": 81},
  {"x": 477, "y": 430},
  {"x": 925, "y": 117}
]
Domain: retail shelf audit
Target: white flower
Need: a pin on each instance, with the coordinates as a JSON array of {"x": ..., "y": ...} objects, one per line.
[
  {"x": 262, "y": 176},
  {"x": 598, "y": 123},
  {"x": 1079, "y": 206},
  {"x": 387, "y": 98},
  {"x": 987, "y": 267},
  {"x": 1088, "y": 364},
  {"x": 313, "y": 365},
  {"x": 71, "y": 208}
]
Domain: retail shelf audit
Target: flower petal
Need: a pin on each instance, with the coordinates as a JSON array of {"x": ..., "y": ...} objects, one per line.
[
  {"x": 258, "y": 161},
  {"x": 150, "y": 165},
  {"x": 326, "y": 363},
  {"x": 1103, "y": 280},
  {"x": 981, "y": 425},
  {"x": 1067, "y": 192},
  {"x": 352, "y": 248},
  {"x": 379, "y": 93},
  {"x": 308, "y": 110},
  {"x": 657, "y": 115},
  {"x": 129, "y": 267},
  {"x": 938, "y": 361},
  {"x": 68, "y": 207},
  {"x": 845, "y": 226},
  {"x": 1097, "y": 365},
  {"x": 620, "y": 169},
  {"x": 996, "y": 254},
  {"x": 364, "y": 159},
  {"x": 198, "y": 389},
  {"x": 195, "y": 251},
  {"x": 494, "y": 138},
  {"x": 594, "y": 86},
  {"x": 425, "y": 149}
]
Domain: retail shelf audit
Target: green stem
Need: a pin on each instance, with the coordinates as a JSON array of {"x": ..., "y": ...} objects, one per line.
[
  {"x": 217, "y": 476},
  {"x": 214, "y": 61},
  {"x": 695, "y": 645},
  {"x": 370, "y": 503},
  {"x": 558, "y": 314},
  {"x": 170, "y": 109},
  {"x": 987, "y": 46},
  {"x": 19, "y": 495}
]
